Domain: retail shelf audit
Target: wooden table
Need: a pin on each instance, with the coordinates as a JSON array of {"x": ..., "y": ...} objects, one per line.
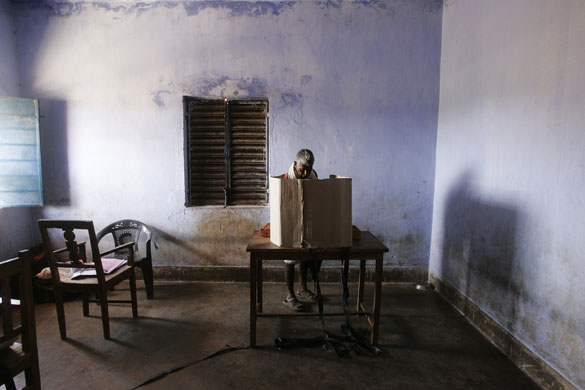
[{"x": 366, "y": 248}]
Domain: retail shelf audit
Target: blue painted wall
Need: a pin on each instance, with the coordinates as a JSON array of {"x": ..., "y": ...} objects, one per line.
[{"x": 357, "y": 82}]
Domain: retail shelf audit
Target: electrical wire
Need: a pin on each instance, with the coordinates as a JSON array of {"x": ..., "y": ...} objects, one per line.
[{"x": 352, "y": 340}]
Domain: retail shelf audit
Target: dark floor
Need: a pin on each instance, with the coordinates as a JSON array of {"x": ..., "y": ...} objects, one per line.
[{"x": 426, "y": 344}]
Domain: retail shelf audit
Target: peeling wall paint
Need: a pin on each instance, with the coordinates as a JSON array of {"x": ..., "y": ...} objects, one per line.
[
  {"x": 291, "y": 98},
  {"x": 240, "y": 8},
  {"x": 158, "y": 97},
  {"x": 224, "y": 86},
  {"x": 66, "y": 9},
  {"x": 509, "y": 216},
  {"x": 231, "y": 8}
]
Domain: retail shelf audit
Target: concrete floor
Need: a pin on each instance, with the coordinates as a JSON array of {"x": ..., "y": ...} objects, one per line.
[{"x": 426, "y": 344}]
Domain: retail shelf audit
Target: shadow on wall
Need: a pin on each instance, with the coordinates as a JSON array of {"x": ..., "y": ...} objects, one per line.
[
  {"x": 478, "y": 256},
  {"x": 54, "y": 156}
]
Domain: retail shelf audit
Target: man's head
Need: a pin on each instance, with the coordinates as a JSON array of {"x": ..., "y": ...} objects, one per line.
[{"x": 304, "y": 163}]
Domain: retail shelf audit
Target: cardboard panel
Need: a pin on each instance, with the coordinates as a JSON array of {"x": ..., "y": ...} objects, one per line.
[
  {"x": 327, "y": 213},
  {"x": 311, "y": 213},
  {"x": 285, "y": 212}
]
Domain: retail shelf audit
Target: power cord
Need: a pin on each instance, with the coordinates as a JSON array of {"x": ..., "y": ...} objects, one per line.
[{"x": 353, "y": 340}]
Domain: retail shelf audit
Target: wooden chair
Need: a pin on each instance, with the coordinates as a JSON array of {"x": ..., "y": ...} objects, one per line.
[
  {"x": 128, "y": 230},
  {"x": 18, "y": 343},
  {"x": 99, "y": 284}
]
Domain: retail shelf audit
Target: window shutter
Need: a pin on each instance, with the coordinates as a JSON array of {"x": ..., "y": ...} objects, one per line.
[
  {"x": 226, "y": 152},
  {"x": 207, "y": 170},
  {"x": 248, "y": 152},
  {"x": 20, "y": 153}
]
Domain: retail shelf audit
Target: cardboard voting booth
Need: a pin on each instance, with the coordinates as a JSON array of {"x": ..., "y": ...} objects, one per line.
[{"x": 310, "y": 213}]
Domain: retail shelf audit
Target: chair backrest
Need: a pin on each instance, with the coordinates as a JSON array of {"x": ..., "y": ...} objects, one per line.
[
  {"x": 75, "y": 252},
  {"x": 128, "y": 230},
  {"x": 11, "y": 270}
]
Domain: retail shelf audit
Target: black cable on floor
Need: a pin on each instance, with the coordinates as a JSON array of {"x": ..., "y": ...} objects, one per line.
[
  {"x": 179, "y": 368},
  {"x": 352, "y": 340}
]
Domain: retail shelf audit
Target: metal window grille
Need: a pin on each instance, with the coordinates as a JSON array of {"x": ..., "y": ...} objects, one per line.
[{"x": 226, "y": 152}]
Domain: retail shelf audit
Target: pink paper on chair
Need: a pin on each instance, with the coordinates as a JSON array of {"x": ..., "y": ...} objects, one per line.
[{"x": 109, "y": 265}]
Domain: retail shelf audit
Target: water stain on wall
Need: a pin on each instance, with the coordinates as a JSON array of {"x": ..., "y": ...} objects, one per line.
[
  {"x": 206, "y": 85},
  {"x": 378, "y": 4},
  {"x": 158, "y": 97},
  {"x": 330, "y": 4},
  {"x": 240, "y": 8},
  {"x": 293, "y": 102},
  {"x": 404, "y": 248},
  {"x": 390, "y": 6},
  {"x": 254, "y": 86},
  {"x": 59, "y": 9},
  {"x": 219, "y": 238},
  {"x": 226, "y": 86},
  {"x": 66, "y": 9},
  {"x": 291, "y": 99}
]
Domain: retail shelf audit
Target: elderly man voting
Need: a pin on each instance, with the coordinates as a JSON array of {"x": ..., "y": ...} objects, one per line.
[{"x": 301, "y": 168}]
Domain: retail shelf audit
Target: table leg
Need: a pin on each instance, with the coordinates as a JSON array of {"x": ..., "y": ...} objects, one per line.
[
  {"x": 259, "y": 284},
  {"x": 360, "y": 294},
  {"x": 377, "y": 298},
  {"x": 253, "y": 274}
]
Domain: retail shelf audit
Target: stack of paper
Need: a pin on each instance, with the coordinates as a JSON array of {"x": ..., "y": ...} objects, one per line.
[{"x": 109, "y": 265}]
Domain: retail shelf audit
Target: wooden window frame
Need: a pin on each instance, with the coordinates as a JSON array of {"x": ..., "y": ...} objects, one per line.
[
  {"x": 226, "y": 151},
  {"x": 21, "y": 183}
]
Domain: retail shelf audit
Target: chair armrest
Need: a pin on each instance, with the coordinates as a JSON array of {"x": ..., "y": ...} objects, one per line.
[{"x": 126, "y": 245}]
